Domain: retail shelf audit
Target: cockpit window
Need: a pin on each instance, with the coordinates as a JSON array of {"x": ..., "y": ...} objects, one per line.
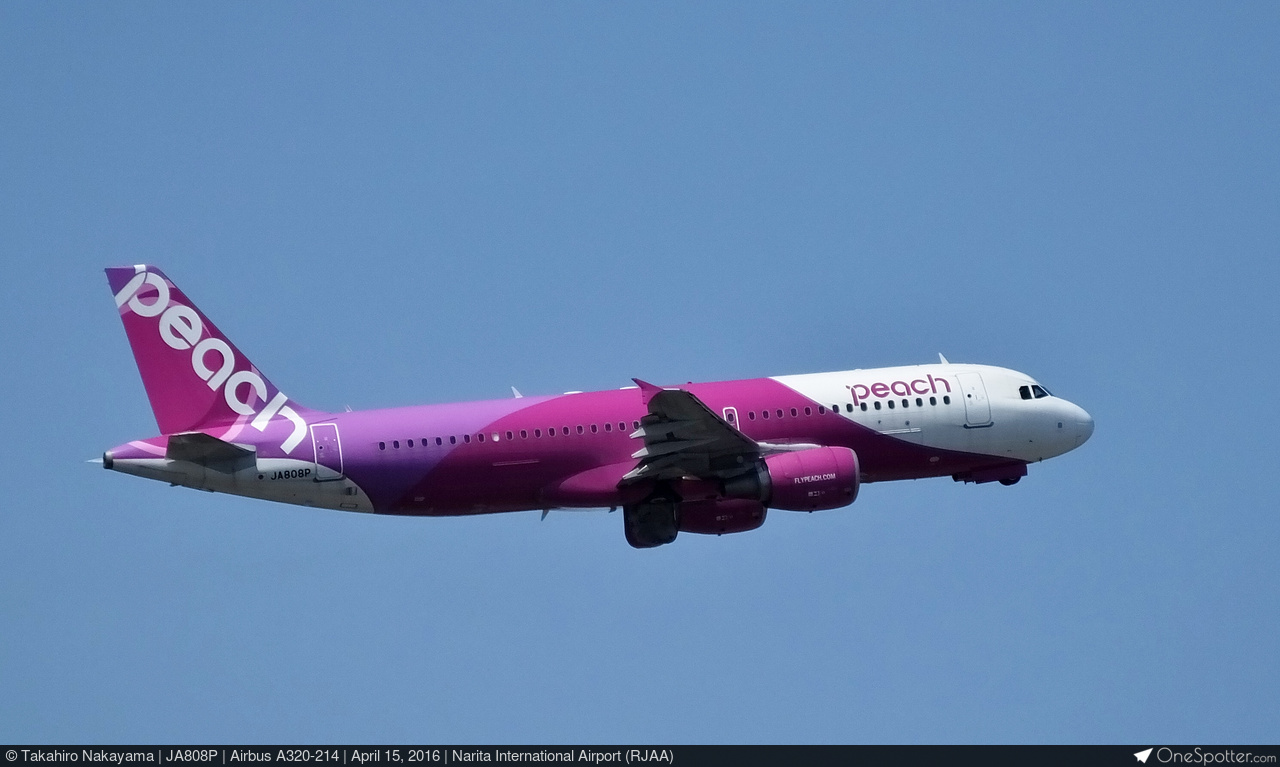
[
  {"x": 1039, "y": 391},
  {"x": 1025, "y": 391}
]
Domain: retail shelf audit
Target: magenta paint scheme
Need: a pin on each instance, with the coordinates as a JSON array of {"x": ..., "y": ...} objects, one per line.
[{"x": 706, "y": 458}]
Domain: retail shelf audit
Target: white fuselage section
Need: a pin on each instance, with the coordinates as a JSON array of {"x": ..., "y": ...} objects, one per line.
[{"x": 969, "y": 408}]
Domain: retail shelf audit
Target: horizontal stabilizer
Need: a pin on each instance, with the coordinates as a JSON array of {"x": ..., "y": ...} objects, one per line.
[{"x": 205, "y": 450}]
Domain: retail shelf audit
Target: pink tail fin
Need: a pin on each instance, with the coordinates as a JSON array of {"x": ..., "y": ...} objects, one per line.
[{"x": 196, "y": 378}]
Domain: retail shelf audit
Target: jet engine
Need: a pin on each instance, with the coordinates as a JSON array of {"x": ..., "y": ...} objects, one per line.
[
  {"x": 804, "y": 480},
  {"x": 717, "y": 517},
  {"x": 660, "y": 517}
]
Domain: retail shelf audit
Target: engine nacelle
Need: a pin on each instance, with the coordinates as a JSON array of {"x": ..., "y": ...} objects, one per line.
[
  {"x": 727, "y": 515},
  {"x": 804, "y": 480}
]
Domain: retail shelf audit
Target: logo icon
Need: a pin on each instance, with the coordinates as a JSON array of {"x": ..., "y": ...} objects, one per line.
[{"x": 1141, "y": 756}]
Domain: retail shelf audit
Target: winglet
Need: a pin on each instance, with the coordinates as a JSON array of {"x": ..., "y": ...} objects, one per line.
[
  {"x": 517, "y": 393},
  {"x": 942, "y": 359},
  {"x": 647, "y": 390}
]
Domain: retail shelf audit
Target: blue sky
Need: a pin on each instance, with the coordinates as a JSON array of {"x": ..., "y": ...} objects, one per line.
[{"x": 406, "y": 203}]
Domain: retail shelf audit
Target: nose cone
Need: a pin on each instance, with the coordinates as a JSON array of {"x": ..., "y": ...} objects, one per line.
[{"x": 1083, "y": 423}]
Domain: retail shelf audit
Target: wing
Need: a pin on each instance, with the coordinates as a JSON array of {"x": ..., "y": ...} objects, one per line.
[{"x": 684, "y": 438}]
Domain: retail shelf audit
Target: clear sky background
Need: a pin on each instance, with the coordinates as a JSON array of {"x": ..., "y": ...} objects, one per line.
[{"x": 402, "y": 203}]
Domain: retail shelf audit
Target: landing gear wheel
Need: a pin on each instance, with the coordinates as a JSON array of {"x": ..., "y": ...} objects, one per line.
[
  {"x": 1010, "y": 481},
  {"x": 653, "y": 522}
]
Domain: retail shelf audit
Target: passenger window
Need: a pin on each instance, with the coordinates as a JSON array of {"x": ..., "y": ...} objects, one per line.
[
  {"x": 822, "y": 409},
  {"x": 480, "y": 436},
  {"x": 864, "y": 407},
  {"x": 466, "y": 438},
  {"x": 439, "y": 441},
  {"x": 453, "y": 440},
  {"x": 906, "y": 403},
  {"x": 382, "y": 446},
  {"x": 794, "y": 413},
  {"x": 891, "y": 404},
  {"x": 524, "y": 434},
  {"x": 410, "y": 443},
  {"x": 751, "y": 415},
  {"x": 1025, "y": 392},
  {"x": 551, "y": 432},
  {"x": 848, "y": 407},
  {"x": 946, "y": 399},
  {"x": 933, "y": 400},
  {"x": 396, "y": 444},
  {"x": 566, "y": 431},
  {"x": 877, "y": 404},
  {"x": 510, "y": 436},
  {"x": 807, "y": 411},
  {"x": 537, "y": 432},
  {"x": 580, "y": 429},
  {"x": 594, "y": 429},
  {"x": 764, "y": 414},
  {"x": 608, "y": 426},
  {"x": 779, "y": 412}
]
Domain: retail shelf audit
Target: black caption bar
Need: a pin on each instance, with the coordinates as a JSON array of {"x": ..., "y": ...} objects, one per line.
[{"x": 635, "y": 756}]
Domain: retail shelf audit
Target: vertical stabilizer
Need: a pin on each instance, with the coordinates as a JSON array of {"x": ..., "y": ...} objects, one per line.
[{"x": 196, "y": 379}]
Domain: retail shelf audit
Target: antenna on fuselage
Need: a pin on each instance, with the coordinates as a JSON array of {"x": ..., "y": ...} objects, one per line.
[
  {"x": 516, "y": 392},
  {"x": 942, "y": 359}
]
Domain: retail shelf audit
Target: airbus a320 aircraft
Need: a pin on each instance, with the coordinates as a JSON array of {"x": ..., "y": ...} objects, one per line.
[{"x": 697, "y": 458}]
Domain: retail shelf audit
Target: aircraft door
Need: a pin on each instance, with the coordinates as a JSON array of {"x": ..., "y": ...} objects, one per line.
[
  {"x": 977, "y": 410},
  {"x": 328, "y": 450},
  {"x": 731, "y": 415}
]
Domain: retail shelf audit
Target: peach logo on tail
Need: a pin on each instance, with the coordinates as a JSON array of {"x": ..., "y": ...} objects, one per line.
[{"x": 180, "y": 328}]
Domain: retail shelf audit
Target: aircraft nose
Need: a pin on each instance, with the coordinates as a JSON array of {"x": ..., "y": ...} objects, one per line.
[{"x": 1084, "y": 425}]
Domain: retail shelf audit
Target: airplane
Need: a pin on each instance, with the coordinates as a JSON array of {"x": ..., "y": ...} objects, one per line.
[{"x": 707, "y": 458}]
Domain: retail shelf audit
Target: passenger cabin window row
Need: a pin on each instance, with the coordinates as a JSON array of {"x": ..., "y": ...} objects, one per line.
[
  {"x": 608, "y": 427},
  {"x": 511, "y": 435},
  {"x": 906, "y": 403},
  {"x": 892, "y": 404}
]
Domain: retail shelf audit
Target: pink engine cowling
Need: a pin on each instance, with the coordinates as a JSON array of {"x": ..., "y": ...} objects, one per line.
[
  {"x": 726, "y": 515},
  {"x": 809, "y": 480}
]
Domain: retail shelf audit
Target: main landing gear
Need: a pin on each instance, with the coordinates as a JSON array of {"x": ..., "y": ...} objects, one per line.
[{"x": 654, "y": 521}]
